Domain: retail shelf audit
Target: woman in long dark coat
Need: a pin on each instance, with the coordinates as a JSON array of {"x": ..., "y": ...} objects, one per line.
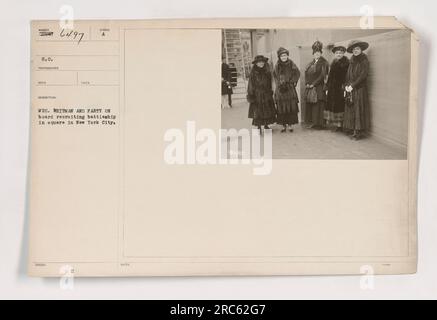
[
  {"x": 226, "y": 85},
  {"x": 334, "y": 112},
  {"x": 357, "y": 109},
  {"x": 260, "y": 94},
  {"x": 315, "y": 75},
  {"x": 286, "y": 75}
]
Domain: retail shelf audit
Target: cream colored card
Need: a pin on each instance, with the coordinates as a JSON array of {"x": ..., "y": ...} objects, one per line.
[{"x": 115, "y": 102}]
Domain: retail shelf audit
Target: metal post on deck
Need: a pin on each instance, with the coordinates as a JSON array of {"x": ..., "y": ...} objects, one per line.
[{"x": 242, "y": 58}]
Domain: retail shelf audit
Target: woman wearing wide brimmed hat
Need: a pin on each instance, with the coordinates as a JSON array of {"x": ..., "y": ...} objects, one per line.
[
  {"x": 315, "y": 75},
  {"x": 334, "y": 111},
  {"x": 286, "y": 75},
  {"x": 357, "y": 109},
  {"x": 260, "y": 94}
]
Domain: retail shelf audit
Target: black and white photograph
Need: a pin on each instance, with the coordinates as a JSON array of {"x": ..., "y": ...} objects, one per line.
[
  {"x": 123, "y": 179},
  {"x": 325, "y": 94}
]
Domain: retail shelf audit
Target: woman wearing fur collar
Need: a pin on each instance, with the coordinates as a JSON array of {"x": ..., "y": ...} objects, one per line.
[
  {"x": 260, "y": 94},
  {"x": 357, "y": 109},
  {"x": 286, "y": 75},
  {"x": 337, "y": 77}
]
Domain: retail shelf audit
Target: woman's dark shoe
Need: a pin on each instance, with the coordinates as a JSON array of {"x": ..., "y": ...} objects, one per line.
[
  {"x": 359, "y": 136},
  {"x": 356, "y": 138},
  {"x": 291, "y": 130}
]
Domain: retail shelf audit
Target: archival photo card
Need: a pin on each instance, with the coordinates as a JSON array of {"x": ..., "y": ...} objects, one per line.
[{"x": 223, "y": 147}]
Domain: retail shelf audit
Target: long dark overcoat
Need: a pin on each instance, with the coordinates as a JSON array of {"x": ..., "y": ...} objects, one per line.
[
  {"x": 286, "y": 75},
  {"x": 357, "y": 113},
  {"x": 260, "y": 96},
  {"x": 336, "y": 80},
  {"x": 226, "y": 78},
  {"x": 315, "y": 74}
]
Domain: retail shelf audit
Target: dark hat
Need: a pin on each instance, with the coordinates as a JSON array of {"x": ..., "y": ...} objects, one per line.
[
  {"x": 260, "y": 58},
  {"x": 317, "y": 46},
  {"x": 357, "y": 43},
  {"x": 281, "y": 51},
  {"x": 338, "y": 48}
]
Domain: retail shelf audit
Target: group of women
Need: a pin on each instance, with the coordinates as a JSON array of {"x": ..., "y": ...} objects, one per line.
[{"x": 335, "y": 95}]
